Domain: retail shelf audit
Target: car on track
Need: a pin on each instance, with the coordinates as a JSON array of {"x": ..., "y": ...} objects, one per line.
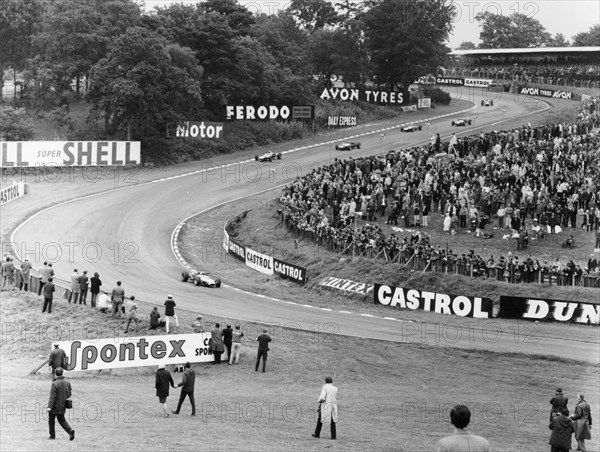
[
  {"x": 347, "y": 146},
  {"x": 200, "y": 278},
  {"x": 411, "y": 128},
  {"x": 487, "y": 103},
  {"x": 462, "y": 122},
  {"x": 268, "y": 156}
]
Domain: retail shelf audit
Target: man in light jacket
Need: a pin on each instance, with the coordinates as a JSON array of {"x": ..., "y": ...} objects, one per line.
[{"x": 328, "y": 409}]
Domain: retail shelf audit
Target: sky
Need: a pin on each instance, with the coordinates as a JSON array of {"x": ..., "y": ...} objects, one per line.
[{"x": 568, "y": 17}]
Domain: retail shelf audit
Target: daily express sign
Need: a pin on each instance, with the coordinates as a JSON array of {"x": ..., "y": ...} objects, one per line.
[
  {"x": 113, "y": 353},
  {"x": 69, "y": 153}
]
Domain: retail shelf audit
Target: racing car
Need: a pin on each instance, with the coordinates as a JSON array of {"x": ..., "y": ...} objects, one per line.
[
  {"x": 348, "y": 146},
  {"x": 411, "y": 128},
  {"x": 200, "y": 279},
  {"x": 462, "y": 122},
  {"x": 268, "y": 157},
  {"x": 487, "y": 103}
]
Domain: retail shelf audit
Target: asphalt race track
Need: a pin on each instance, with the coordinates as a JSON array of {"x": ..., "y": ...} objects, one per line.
[{"x": 139, "y": 220}]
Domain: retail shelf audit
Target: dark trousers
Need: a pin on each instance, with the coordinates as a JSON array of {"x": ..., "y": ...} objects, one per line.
[
  {"x": 25, "y": 284},
  {"x": 47, "y": 304},
  {"x": 228, "y": 348},
  {"x": 217, "y": 357},
  {"x": 558, "y": 449},
  {"x": 83, "y": 297},
  {"x": 262, "y": 353},
  {"x": 182, "y": 397},
  {"x": 320, "y": 424},
  {"x": 73, "y": 296},
  {"x": 41, "y": 287},
  {"x": 61, "y": 420},
  {"x": 93, "y": 301}
]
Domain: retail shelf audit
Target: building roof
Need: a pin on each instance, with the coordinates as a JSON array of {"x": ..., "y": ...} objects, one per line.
[{"x": 527, "y": 51}]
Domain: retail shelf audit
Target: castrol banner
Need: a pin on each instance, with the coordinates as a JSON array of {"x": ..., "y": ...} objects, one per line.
[
  {"x": 120, "y": 352},
  {"x": 69, "y": 153}
]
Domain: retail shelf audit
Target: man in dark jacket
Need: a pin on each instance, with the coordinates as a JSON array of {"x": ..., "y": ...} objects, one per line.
[
  {"x": 263, "y": 349},
  {"x": 59, "y": 393},
  {"x": 559, "y": 403},
  {"x": 163, "y": 380},
  {"x": 216, "y": 343},
  {"x": 48, "y": 291},
  {"x": 95, "y": 284},
  {"x": 154, "y": 318},
  {"x": 562, "y": 429},
  {"x": 57, "y": 360},
  {"x": 187, "y": 388},
  {"x": 83, "y": 287},
  {"x": 227, "y": 340}
]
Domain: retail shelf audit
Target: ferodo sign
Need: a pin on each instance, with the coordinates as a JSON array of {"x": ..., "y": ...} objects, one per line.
[
  {"x": 460, "y": 305},
  {"x": 259, "y": 262},
  {"x": 556, "y": 94},
  {"x": 69, "y": 153},
  {"x": 249, "y": 112},
  {"x": 549, "y": 310},
  {"x": 112, "y": 353}
]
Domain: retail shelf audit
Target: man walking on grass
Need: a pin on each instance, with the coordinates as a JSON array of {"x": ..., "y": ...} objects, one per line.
[
  {"x": 60, "y": 391},
  {"x": 187, "y": 388}
]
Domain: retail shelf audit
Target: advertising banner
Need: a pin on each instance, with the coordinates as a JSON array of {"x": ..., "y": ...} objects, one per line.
[
  {"x": 303, "y": 112},
  {"x": 69, "y": 153},
  {"x": 366, "y": 95},
  {"x": 8, "y": 194},
  {"x": 259, "y": 262},
  {"x": 120, "y": 352},
  {"x": 341, "y": 121},
  {"x": 346, "y": 285},
  {"x": 477, "y": 82},
  {"x": 450, "y": 81},
  {"x": 549, "y": 310},
  {"x": 238, "y": 251},
  {"x": 554, "y": 93},
  {"x": 425, "y": 102},
  {"x": 459, "y": 305},
  {"x": 261, "y": 112},
  {"x": 196, "y": 129},
  {"x": 225, "y": 241},
  {"x": 289, "y": 271},
  {"x": 409, "y": 108}
]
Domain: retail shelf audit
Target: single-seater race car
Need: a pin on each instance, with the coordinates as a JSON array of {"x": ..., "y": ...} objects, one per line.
[
  {"x": 462, "y": 122},
  {"x": 411, "y": 128},
  {"x": 268, "y": 156},
  {"x": 348, "y": 146},
  {"x": 200, "y": 279},
  {"x": 487, "y": 103}
]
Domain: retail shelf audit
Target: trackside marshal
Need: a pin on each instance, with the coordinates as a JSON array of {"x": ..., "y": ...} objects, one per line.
[
  {"x": 69, "y": 153},
  {"x": 113, "y": 353}
]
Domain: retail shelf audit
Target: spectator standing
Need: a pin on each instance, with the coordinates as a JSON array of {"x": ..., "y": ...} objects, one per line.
[
  {"x": 95, "y": 284},
  {"x": 559, "y": 404},
  {"x": 562, "y": 429},
  {"x": 170, "y": 312},
  {"x": 25, "y": 274},
  {"x": 583, "y": 420},
  {"x": 132, "y": 315},
  {"x": 48, "y": 295},
  {"x": 60, "y": 391},
  {"x": 83, "y": 287},
  {"x": 45, "y": 272},
  {"x": 216, "y": 343},
  {"x": 462, "y": 439},
  {"x": 263, "y": 350},
  {"x": 57, "y": 359},
  {"x": 236, "y": 345},
  {"x": 4, "y": 268},
  {"x": 227, "y": 339},
  {"x": 154, "y": 318},
  {"x": 75, "y": 288},
  {"x": 187, "y": 388},
  {"x": 162, "y": 382},
  {"x": 328, "y": 409},
  {"x": 117, "y": 298}
]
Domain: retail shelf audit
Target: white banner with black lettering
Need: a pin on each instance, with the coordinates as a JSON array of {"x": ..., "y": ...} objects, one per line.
[
  {"x": 119, "y": 352},
  {"x": 14, "y": 191},
  {"x": 69, "y": 153},
  {"x": 478, "y": 82},
  {"x": 259, "y": 262}
]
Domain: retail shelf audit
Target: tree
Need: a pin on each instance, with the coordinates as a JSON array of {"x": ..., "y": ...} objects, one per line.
[
  {"x": 588, "y": 38},
  {"x": 514, "y": 31},
  {"x": 559, "y": 40},
  {"x": 466, "y": 45},
  {"x": 14, "y": 124},
  {"x": 405, "y": 39},
  {"x": 313, "y": 14},
  {"x": 145, "y": 82}
]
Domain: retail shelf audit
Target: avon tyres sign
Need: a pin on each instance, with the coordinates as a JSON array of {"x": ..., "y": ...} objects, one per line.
[
  {"x": 69, "y": 153},
  {"x": 366, "y": 95},
  {"x": 460, "y": 305},
  {"x": 289, "y": 271},
  {"x": 119, "y": 352},
  {"x": 549, "y": 310},
  {"x": 554, "y": 93}
]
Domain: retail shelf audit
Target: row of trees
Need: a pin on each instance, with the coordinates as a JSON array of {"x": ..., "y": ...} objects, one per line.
[{"x": 519, "y": 30}]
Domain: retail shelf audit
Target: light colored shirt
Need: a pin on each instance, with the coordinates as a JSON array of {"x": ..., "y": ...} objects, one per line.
[{"x": 463, "y": 441}]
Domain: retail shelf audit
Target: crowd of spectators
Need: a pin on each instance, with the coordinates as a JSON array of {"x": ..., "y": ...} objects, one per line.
[
  {"x": 571, "y": 73},
  {"x": 527, "y": 181}
]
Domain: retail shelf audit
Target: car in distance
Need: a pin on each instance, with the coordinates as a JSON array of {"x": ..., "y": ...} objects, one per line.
[
  {"x": 411, "y": 128},
  {"x": 268, "y": 156},
  {"x": 462, "y": 122},
  {"x": 487, "y": 103},
  {"x": 200, "y": 278},
  {"x": 348, "y": 146}
]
